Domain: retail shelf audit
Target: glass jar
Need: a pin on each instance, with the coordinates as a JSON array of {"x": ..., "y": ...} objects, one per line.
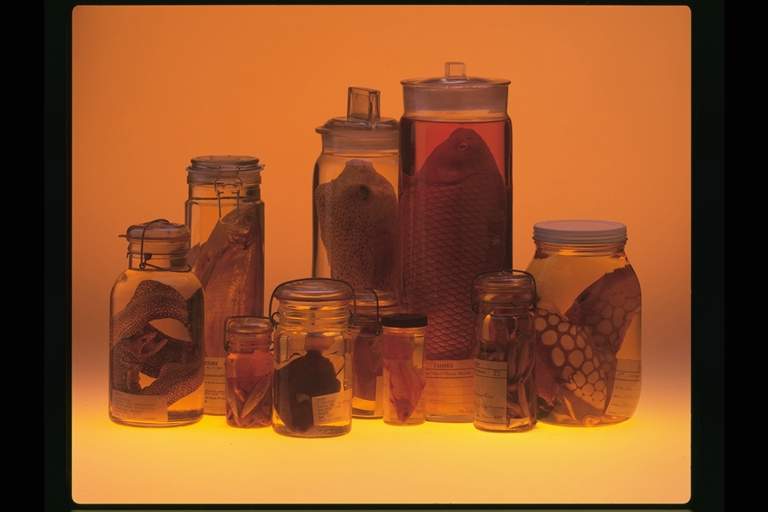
[
  {"x": 587, "y": 323},
  {"x": 156, "y": 331},
  {"x": 505, "y": 390},
  {"x": 249, "y": 368},
  {"x": 366, "y": 349},
  {"x": 455, "y": 218},
  {"x": 313, "y": 358},
  {"x": 225, "y": 216},
  {"x": 354, "y": 187},
  {"x": 404, "y": 382}
]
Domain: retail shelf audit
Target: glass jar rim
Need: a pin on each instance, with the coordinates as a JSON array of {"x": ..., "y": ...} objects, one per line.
[{"x": 580, "y": 232}]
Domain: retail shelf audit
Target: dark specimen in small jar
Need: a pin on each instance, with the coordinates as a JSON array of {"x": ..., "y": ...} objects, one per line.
[{"x": 297, "y": 382}]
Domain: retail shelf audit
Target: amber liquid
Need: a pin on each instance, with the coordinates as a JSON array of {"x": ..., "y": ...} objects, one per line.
[
  {"x": 455, "y": 194},
  {"x": 561, "y": 276},
  {"x": 189, "y": 407}
]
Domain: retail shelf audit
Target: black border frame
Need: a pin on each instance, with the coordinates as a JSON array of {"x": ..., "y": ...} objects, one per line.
[{"x": 707, "y": 297}]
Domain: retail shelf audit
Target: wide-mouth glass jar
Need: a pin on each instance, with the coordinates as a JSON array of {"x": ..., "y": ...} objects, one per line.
[
  {"x": 587, "y": 323},
  {"x": 313, "y": 358}
]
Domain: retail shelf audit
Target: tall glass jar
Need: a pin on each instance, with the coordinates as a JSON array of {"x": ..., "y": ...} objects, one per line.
[
  {"x": 587, "y": 323},
  {"x": 366, "y": 349},
  {"x": 313, "y": 358},
  {"x": 455, "y": 218},
  {"x": 156, "y": 331},
  {"x": 225, "y": 216},
  {"x": 355, "y": 197},
  {"x": 505, "y": 390},
  {"x": 249, "y": 368}
]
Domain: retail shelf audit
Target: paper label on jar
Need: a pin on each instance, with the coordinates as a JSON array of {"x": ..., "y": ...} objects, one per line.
[
  {"x": 449, "y": 389},
  {"x": 215, "y": 381},
  {"x": 332, "y": 408},
  {"x": 378, "y": 410},
  {"x": 626, "y": 388},
  {"x": 491, "y": 391},
  {"x": 128, "y": 406}
]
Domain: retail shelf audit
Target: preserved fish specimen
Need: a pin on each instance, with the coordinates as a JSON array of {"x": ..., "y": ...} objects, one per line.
[
  {"x": 225, "y": 214},
  {"x": 462, "y": 205},
  {"x": 357, "y": 212},
  {"x": 249, "y": 370},
  {"x": 577, "y": 353},
  {"x": 403, "y": 352}
]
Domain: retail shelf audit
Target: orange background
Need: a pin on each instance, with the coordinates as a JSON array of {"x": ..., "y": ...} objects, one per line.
[{"x": 600, "y": 107}]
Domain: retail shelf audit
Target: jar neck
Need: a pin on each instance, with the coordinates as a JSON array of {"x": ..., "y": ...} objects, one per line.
[
  {"x": 370, "y": 147},
  {"x": 410, "y": 332},
  {"x": 314, "y": 317},
  {"x": 229, "y": 190},
  {"x": 502, "y": 309},
  {"x": 158, "y": 255},
  {"x": 248, "y": 345},
  {"x": 544, "y": 249}
]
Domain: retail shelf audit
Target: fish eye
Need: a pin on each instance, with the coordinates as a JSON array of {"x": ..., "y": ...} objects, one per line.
[{"x": 463, "y": 146}]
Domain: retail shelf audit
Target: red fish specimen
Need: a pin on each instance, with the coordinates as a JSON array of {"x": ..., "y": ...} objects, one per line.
[
  {"x": 405, "y": 382},
  {"x": 576, "y": 353},
  {"x": 453, "y": 228},
  {"x": 230, "y": 267}
]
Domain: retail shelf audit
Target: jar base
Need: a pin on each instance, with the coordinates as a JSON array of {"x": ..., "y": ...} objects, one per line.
[
  {"x": 494, "y": 427},
  {"x": 590, "y": 422},
  {"x": 179, "y": 422},
  {"x": 313, "y": 432},
  {"x": 449, "y": 419}
]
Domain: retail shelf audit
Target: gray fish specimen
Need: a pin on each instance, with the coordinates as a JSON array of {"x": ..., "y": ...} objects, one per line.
[{"x": 357, "y": 214}]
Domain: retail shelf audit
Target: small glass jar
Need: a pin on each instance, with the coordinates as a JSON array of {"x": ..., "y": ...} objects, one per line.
[
  {"x": 505, "y": 390},
  {"x": 354, "y": 194},
  {"x": 225, "y": 216},
  {"x": 368, "y": 377},
  {"x": 156, "y": 331},
  {"x": 587, "y": 323},
  {"x": 403, "y": 351},
  {"x": 313, "y": 356},
  {"x": 249, "y": 368}
]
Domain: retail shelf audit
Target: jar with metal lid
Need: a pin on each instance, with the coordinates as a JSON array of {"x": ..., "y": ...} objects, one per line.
[
  {"x": 156, "y": 331},
  {"x": 402, "y": 342},
  {"x": 225, "y": 216},
  {"x": 587, "y": 323},
  {"x": 249, "y": 368},
  {"x": 366, "y": 349},
  {"x": 313, "y": 358},
  {"x": 355, "y": 196},
  {"x": 455, "y": 218},
  {"x": 505, "y": 390}
]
